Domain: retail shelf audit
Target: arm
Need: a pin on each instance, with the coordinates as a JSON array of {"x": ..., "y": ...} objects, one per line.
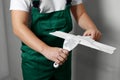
[
  {"x": 21, "y": 30},
  {"x": 85, "y": 22}
]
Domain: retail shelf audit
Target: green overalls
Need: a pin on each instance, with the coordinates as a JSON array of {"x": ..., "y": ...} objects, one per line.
[{"x": 34, "y": 65}]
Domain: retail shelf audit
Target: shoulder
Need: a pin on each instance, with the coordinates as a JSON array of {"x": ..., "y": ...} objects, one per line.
[{"x": 20, "y": 5}]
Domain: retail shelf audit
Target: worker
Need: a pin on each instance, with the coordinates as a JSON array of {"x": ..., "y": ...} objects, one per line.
[{"x": 33, "y": 20}]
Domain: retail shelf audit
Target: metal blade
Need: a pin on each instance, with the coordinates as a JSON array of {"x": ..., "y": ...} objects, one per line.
[
  {"x": 89, "y": 42},
  {"x": 86, "y": 41}
]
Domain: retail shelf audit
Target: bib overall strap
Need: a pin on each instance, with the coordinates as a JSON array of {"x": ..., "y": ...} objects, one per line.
[
  {"x": 36, "y": 3},
  {"x": 69, "y": 2}
]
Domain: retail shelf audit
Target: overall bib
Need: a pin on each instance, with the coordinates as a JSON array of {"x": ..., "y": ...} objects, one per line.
[{"x": 34, "y": 65}]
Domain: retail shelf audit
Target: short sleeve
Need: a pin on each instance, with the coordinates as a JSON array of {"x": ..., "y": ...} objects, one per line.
[
  {"x": 75, "y": 2},
  {"x": 23, "y": 5}
]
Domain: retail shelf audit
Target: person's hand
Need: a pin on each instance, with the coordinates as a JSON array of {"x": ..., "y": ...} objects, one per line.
[
  {"x": 94, "y": 33},
  {"x": 57, "y": 55}
]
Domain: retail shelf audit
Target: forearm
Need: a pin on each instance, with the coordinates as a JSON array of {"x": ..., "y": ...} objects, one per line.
[
  {"x": 81, "y": 17},
  {"x": 28, "y": 37},
  {"x": 85, "y": 22},
  {"x": 21, "y": 30}
]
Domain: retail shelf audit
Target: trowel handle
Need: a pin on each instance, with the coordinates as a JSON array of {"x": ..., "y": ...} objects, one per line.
[
  {"x": 55, "y": 65},
  {"x": 69, "y": 44}
]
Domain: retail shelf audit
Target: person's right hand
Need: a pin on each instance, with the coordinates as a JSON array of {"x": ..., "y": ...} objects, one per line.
[{"x": 55, "y": 54}]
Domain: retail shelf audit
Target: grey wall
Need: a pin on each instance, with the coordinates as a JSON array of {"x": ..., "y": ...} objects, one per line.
[
  {"x": 88, "y": 64},
  {"x": 91, "y": 64},
  {"x": 13, "y": 44},
  {"x": 3, "y": 47}
]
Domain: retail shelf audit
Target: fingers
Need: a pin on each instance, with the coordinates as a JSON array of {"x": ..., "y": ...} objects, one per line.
[
  {"x": 62, "y": 56},
  {"x": 60, "y": 60},
  {"x": 94, "y": 34},
  {"x": 98, "y": 36}
]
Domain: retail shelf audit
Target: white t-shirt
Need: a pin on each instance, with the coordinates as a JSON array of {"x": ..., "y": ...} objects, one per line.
[{"x": 46, "y": 6}]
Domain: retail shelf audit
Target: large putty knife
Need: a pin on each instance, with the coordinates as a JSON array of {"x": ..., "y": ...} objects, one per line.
[{"x": 71, "y": 41}]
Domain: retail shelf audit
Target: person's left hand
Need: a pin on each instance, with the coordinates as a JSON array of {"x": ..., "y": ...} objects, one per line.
[{"x": 94, "y": 33}]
